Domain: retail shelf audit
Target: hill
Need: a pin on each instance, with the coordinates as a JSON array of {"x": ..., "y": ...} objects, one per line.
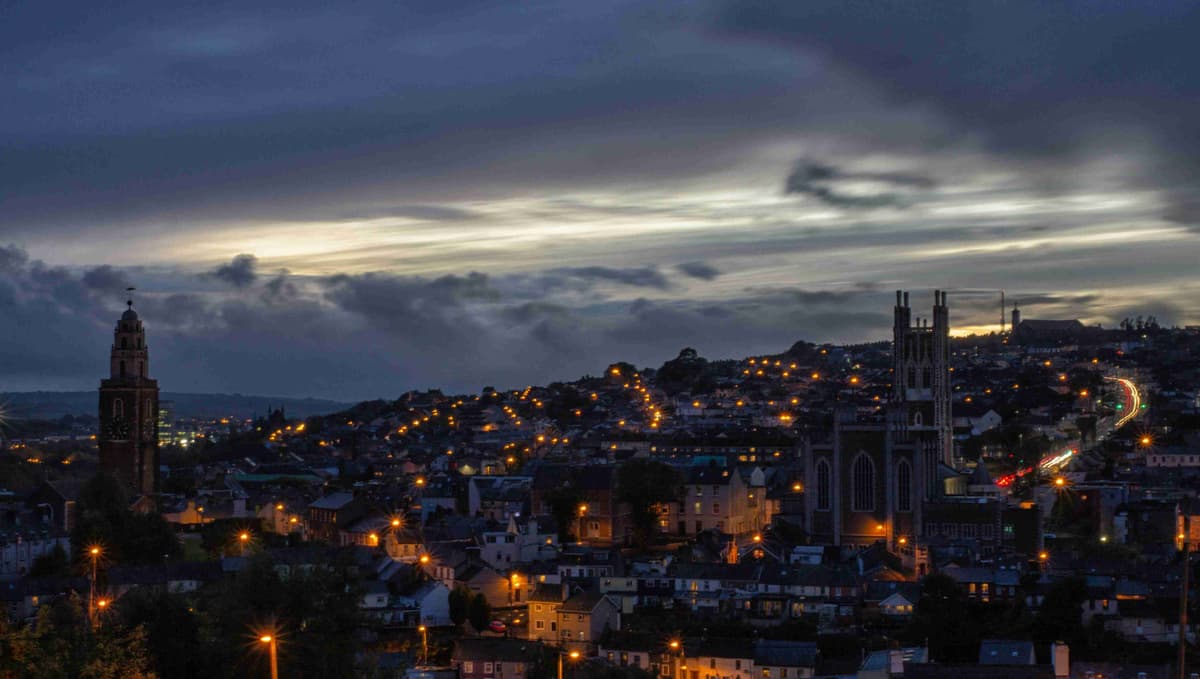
[{"x": 50, "y": 405}]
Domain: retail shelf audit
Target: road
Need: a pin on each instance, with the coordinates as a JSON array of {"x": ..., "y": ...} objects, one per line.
[{"x": 1131, "y": 407}]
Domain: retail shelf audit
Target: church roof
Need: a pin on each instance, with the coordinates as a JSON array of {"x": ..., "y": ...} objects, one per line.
[
  {"x": 129, "y": 315},
  {"x": 981, "y": 477}
]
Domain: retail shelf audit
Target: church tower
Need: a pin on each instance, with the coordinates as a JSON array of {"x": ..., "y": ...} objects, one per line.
[
  {"x": 921, "y": 382},
  {"x": 128, "y": 434}
]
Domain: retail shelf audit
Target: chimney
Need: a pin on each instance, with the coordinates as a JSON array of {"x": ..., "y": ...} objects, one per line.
[
  {"x": 1062, "y": 659},
  {"x": 895, "y": 662},
  {"x": 906, "y": 299},
  {"x": 898, "y": 293}
]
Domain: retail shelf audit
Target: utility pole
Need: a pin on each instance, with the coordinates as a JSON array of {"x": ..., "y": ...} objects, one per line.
[{"x": 1185, "y": 533}]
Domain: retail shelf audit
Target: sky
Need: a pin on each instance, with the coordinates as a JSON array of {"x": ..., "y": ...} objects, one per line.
[{"x": 351, "y": 201}]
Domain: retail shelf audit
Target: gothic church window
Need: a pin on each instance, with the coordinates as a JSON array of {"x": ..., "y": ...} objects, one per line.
[
  {"x": 904, "y": 486},
  {"x": 823, "y": 485},
  {"x": 118, "y": 408},
  {"x": 863, "y": 482}
]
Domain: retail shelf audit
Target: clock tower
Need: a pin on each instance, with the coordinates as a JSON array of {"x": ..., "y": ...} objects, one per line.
[{"x": 128, "y": 435}]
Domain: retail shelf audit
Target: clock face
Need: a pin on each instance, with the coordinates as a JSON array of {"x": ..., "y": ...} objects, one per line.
[{"x": 118, "y": 429}]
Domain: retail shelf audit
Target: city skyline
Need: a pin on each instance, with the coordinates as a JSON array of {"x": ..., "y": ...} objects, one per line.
[{"x": 453, "y": 190}]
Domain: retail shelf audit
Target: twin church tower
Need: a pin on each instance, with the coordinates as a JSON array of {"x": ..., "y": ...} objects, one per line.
[{"x": 128, "y": 435}]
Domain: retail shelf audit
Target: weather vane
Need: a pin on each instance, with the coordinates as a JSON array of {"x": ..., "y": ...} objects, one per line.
[{"x": 129, "y": 301}]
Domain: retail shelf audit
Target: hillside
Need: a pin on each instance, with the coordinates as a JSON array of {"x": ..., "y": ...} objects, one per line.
[{"x": 55, "y": 404}]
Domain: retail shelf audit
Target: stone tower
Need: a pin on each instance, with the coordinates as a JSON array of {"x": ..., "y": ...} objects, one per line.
[
  {"x": 128, "y": 435},
  {"x": 921, "y": 383}
]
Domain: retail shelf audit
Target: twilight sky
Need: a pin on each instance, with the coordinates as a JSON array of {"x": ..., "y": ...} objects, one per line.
[{"x": 350, "y": 201}]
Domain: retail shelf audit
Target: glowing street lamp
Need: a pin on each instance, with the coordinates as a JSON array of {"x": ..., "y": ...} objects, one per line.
[
  {"x": 270, "y": 641},
  {"x": 573, "y": 655},
  {"x": 424, "y": 644},
  {"x": 94, "y": 553}
]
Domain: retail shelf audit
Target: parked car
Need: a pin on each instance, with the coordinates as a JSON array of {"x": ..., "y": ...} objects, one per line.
[{"x": 498, "y": 626}]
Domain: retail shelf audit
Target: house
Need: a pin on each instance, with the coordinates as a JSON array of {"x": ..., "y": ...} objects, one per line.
[
  {"x": 56, "y": 500},
  {"x": 892, "y": 600},
  {"x": 599, "y": 519},
  {"x": 621, "y": 590},
  {"x": 542, "y": 611},
  {"x": 631, "y": 649},
  {"x": 717, "y": 498},
  {"x": 583, "y": 619},
  {"x": 998, "y": 652},
  {"x": 21, "y": 548},
  {"x": 427, "y": 604},
  {"x": 890, "y": 663},
  {"x": 375, "y": 597},
  {"x": 492, "y": 658},
  {"x": 404, "y": 544},
  {"x": 328, "y": 515},
  {"x": 785, "y": 659},
  {"x": 718, "y": 658},
  {"x": 498, "y": 498},
  {"x": 481, "y": 579}
]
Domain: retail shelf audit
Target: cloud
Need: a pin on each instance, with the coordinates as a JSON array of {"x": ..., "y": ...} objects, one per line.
[
  {"x": 701, "y": 270},
  {"x": 644, "y": 277},
  {"x": 107, "y": 279},
  {"x": 240, "y": 272},
  {"x": 835, "y": 187}
]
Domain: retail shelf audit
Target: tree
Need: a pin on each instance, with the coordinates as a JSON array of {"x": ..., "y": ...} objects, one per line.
[
  {"x": 1060, "y": 616},
  {"x": 643, "y": 484},
  {"x": 941, "y": 617},
  {"x": 479, "y": 613},
  {"x": 105, "y": 519},
  {"x": 459, "y": 601},
  {"x": 564, "y": 503},
  {"x": 119, "y": 654},
  {"x": 53, "y": 563},
  {"x": 172, "y": 631}
]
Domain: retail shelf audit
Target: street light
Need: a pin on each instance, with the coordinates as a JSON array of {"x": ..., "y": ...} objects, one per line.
[
  {"x": 573, "y": 655},
  {"x": 424, "y": 645},
  {"x": 270, "y": 641},
  {"x": 93, "y": 552},
  {"x": 675, "y": 645},
  {"x": 243, "y": 539}
]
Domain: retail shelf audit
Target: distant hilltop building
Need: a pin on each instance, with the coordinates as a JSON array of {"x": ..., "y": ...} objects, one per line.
[
  {"x": 1047, "y": 333},
  {"x": 166, "y": 423},
  {"x": 128, "y": 436}
]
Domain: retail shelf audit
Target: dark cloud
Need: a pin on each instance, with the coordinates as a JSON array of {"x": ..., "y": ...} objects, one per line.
[
  {"x": 240, "y": 272},
  {"x": 702, "y": 270},
  {"x": 644, "y": 277},
  {"x": 1045, "y": 85},
  {"x": 821, "y": 181},
  {"x": 106, "y": 279}
]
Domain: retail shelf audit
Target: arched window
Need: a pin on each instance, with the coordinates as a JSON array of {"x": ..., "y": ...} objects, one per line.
[
  {"x": 122, "y": 368},
  {"x": 903, "y": 486},
  {"x": 863, "y": 482},
  {"x": 912, "y": 376},
  {"x": 118, "y": 408},
  {"x": 918, "y": 420},
  {"x": 141, "y": 369},
  {"x": 927, "y": 378},
  {"x": 823, "y": 500},
  {"x": 124, "y": 342}
]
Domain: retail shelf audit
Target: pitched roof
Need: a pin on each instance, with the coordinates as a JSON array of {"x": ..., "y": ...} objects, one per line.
[
  {"x": 490, "y": 649},
  {"x": 1004, "y": 652}
]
